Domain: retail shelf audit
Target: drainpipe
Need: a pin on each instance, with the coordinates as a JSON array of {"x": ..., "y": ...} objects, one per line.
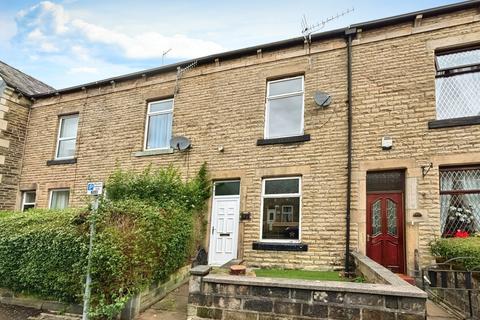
[{"x": 349, "y": 34}]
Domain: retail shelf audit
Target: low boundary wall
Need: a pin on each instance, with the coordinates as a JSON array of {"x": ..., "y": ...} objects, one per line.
[{"x": 249, "y": 298}]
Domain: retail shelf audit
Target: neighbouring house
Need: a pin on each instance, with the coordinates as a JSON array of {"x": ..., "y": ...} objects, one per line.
[
  {"x": 362, "y": 138},
  {"x": 16, "y": 92}
]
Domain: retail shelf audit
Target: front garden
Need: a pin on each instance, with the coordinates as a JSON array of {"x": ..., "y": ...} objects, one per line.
[
  {"x": 458, "y": 247},
  {"x": 148, "y": 228},
  {"x": 454, "y": 279}
]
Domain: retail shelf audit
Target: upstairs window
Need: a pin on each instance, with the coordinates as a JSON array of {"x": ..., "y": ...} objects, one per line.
[
  {"x": 67, "y": 137},
  {"x": 458, "y": 83},
  {"x": 28, "y": 200},
  {"x": 59, "y": 198},
  {"x": 159, "y": 124},
  {"x": 284, "y": 108},
  {"x": 281, "y": 202}
]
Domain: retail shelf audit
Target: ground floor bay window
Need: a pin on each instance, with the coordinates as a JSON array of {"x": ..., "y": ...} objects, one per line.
[
  {"x": 281, "y": 206},
  {"x": 460, "y": 200}
]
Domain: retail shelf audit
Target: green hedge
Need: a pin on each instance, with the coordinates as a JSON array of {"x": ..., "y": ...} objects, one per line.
[
  {"x": 141, "y": 238},
  {"x": 42, "y": 253},
  {"x": 449, "y": 248}
]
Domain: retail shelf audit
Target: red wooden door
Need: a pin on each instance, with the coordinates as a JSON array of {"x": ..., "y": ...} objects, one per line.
[{"x": 385, "y": 219}]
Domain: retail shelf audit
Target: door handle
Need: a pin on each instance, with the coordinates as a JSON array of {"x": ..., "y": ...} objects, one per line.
[
  {"x": 213, "y": 230},
  {"x": 369, "y": 238}
]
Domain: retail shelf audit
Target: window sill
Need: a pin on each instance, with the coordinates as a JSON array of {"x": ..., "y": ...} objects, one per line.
[
  {"x": 455, "y": 122},
  {"x": 295, "y": 139},
  {"x": 279, "y": 246},
  {"x": 61, "y": 161},
  {"x": 152, "y": 152}
]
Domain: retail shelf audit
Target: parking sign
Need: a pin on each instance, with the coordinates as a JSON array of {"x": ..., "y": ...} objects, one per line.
[{"x": 94, "y": 188}]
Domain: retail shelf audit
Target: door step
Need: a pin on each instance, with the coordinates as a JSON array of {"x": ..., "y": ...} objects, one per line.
[
  {"x": 231, "y": 263},
  {"x": 406, "y": 278}
]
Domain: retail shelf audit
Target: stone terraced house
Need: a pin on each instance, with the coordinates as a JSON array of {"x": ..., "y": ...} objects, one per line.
[{"x": 362, "y": 138}]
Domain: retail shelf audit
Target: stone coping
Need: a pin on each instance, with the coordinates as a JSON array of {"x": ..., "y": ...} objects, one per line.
[
  {"x": 337, "y": 286},
  {"x": 200, "y": 270},
  {"x": 379, "y": 271}
]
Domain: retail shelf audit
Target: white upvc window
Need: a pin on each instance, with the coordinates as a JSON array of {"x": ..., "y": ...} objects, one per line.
[
  {"x": 28, "y": 200},
  {"x": 284, "y": 108},
  {"x": 67, "y": 137},
  {"x": 59, "y": 198},
  {"x": 281, "y": 209},
  {"x": 158, "y": 127}
]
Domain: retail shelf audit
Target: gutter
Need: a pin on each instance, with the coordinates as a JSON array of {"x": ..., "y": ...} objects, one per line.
[{"x": 349, "y": 34}]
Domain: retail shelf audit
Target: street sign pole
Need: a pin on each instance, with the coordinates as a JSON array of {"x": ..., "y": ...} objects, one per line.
[{"x": 95, "y": 189}]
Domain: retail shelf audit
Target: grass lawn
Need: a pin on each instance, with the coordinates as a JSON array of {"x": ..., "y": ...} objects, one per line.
[{"x": 300, "y": 274}]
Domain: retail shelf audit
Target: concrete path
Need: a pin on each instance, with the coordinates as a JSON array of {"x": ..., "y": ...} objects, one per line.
[
  {"x": 436, "y": 312},
  {"x": 172, "y": 307}
]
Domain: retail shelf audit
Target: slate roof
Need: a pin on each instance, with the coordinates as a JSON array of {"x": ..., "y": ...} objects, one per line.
[
  {"x": 342, "y": 32},
  {"x": 22, "y": 82}
]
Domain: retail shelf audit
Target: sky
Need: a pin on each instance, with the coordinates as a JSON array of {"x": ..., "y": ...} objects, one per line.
[{"x": 71, "y": 42}]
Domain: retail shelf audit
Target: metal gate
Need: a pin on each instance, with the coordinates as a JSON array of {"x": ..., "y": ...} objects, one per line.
[{"x": 444, "y": 280}]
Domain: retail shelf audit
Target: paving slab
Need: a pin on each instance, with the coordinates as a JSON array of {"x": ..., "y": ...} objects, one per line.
[
  {"x": 9, "y": 312},
  {"x": 436, "y": 312},
  {"x": 172, "y": 307}
]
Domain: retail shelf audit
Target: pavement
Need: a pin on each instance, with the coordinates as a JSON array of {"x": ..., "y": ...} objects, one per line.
[
  {"x": 436, "y": 312},
  {"x": 172, "y": 307},
  {"x": 8, "y": 312}
]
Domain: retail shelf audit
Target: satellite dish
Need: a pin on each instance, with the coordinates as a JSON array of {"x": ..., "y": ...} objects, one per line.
[
  {"x": 322, "y": 99},
  {"x": 180, "y": 143}
]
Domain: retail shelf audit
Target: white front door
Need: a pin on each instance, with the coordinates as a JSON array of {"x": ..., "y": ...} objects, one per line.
[{"x": 224, "y": 229}]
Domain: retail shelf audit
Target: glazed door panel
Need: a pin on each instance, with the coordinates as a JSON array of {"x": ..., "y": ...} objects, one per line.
[{"x": 385, "y": 230}]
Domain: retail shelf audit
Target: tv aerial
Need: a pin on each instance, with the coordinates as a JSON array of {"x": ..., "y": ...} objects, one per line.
[
  {"x": 181, "y": 71},
  {"x": 309, "y": 29},
  {"x": 164, "y": 54},
  {"x": 180, "y": 143}
]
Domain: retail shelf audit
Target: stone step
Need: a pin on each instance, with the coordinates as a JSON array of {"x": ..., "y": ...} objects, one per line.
[
  {"x": 406, "y": 278},
  {"x": 231, "y": 263}
]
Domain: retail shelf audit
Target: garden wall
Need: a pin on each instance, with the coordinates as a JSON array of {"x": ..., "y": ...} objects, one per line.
[
  {"x": 150, "y": 296},
  {"x": 241, "y": 297}
]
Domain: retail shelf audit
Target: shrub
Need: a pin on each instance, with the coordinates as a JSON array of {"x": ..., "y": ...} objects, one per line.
[
  {"x": 163, "y": 187},
  {"x": 137, "y": 243},
  {"x": 141, "y": 237},
  {"x": 449, "y": 248}
]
